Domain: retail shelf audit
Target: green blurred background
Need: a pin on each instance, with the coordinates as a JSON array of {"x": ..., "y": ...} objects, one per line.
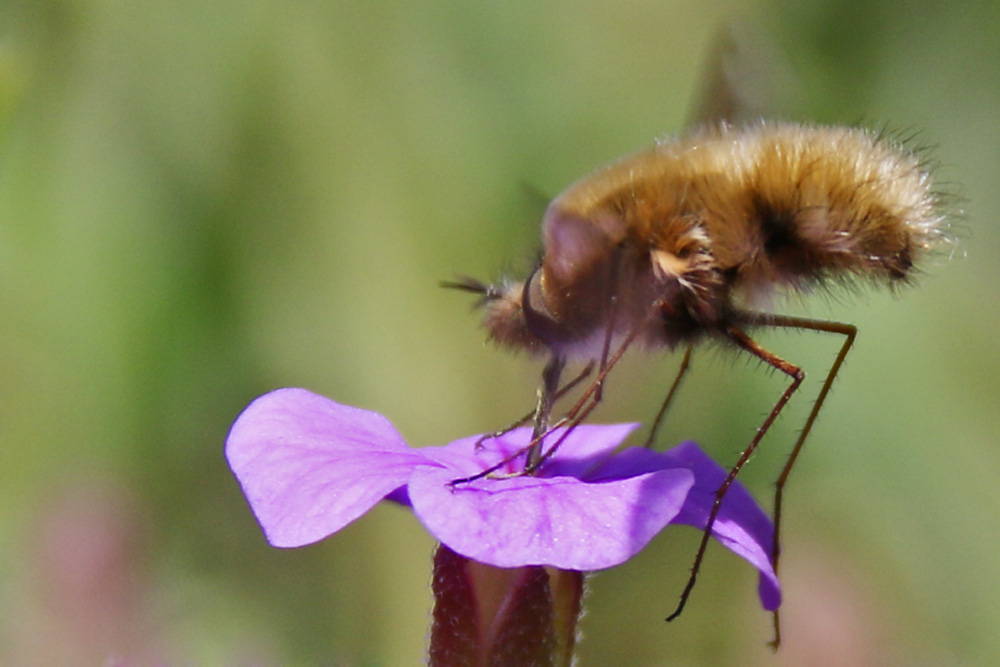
[{"x": 200, "y": 202}]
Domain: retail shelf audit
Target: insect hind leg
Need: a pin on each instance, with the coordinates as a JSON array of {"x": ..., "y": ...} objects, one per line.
[
  {"x": 849, "y": 332},
  {"x": 742, "y": 340}
]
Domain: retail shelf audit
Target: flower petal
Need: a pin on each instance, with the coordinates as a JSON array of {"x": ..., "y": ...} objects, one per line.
[
  {"x": 309, "y": 466},
  {"x": 556, "y": 521},
  {"x": 742, "y": 526}
]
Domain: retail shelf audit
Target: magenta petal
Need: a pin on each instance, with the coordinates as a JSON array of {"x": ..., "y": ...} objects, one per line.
[
  {"x": 556, "y": 521},
  {"x": 309, "y": 466}
]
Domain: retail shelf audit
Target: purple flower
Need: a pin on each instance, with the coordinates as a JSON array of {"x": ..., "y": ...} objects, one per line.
[{"x": 310, "y": 466}]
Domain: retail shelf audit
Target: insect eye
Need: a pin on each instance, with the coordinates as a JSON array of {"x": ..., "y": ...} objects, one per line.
[{"x": 537, "y": 317}]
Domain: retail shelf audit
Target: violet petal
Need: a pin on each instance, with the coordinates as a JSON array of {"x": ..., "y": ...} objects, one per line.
[
  {"x": 309, "y": 466},
  {"x": 742, "y": 526},
  {"x": 556, "y": 521}
]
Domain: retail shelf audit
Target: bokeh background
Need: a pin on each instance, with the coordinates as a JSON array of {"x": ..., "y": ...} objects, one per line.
[{"x": 200, "y": 202}]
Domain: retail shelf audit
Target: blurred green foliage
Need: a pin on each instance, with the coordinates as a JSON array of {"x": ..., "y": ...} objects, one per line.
[{"x": 200, "y": 202}]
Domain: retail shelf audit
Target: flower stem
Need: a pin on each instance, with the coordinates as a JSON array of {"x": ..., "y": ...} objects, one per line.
[{"x": 486, "y": 616}]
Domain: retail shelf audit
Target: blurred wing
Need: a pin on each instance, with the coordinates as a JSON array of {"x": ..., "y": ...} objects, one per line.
[{"x": 745, "y": 78}]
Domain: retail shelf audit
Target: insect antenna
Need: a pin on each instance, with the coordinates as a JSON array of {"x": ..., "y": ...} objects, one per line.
[{"x": 467, "y": 284}]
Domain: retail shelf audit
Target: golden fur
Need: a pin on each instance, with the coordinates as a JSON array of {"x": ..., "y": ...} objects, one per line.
[{"x": 678, "y": 239}]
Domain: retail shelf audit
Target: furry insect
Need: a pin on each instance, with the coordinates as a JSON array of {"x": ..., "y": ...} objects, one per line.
[{"x": 687, "y": 240}]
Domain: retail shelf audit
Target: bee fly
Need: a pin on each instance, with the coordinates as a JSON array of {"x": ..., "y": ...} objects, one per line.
[{"x": 684, "y": 242}]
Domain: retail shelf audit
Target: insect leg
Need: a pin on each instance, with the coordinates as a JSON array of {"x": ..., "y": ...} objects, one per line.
[
  {"x": 563, "y": 390},
  {"x": 849, "y": 332},
  {"x": 594, "y": 393},
  {"x": 744, "y": 341},
  {"x": 658, "y": 420},
  {"x": 588, "y": 400},
  {"x": 543, "y": 410},
  {"x": 576, "y": 414}
]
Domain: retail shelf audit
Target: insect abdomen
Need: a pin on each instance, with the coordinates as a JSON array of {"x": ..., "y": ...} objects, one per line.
[{"x": 833, "y": 205}]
